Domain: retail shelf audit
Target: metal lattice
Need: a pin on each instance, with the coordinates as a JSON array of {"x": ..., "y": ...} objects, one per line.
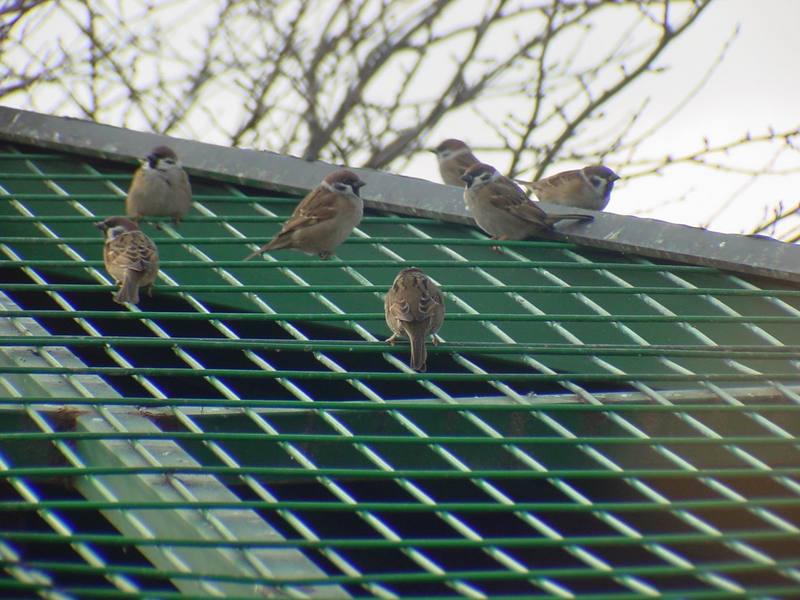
[{"x": 594, "y": 424}]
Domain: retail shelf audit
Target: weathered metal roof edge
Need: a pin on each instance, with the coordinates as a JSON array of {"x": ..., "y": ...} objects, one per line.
[{"x": 404, "y": 195}]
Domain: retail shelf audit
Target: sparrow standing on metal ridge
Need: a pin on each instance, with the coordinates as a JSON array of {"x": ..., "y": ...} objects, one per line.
[
  {"x": 323, "y": 219},
  {"x": 502, "y": 209},
  {"x": 454, "y": 158},
  {"x": 160, "y": 188},
  {"x": 589, "y": 187},
  {"x": 131, "y": 257},
  {"x": 414, "y": 309}
]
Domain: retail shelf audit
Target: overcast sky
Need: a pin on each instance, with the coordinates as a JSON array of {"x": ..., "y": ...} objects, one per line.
[{"x": 756, "y": 86}]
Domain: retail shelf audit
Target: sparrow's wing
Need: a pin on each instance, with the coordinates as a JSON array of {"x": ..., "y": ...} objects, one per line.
[
  {"x": 400, "y": 310},
  {"x": 509, "y": 197},
  {"x": 417, "y": 299},
  {"x": 132, "y": 250},
  {"x": 429, "y": 298},
  {"x": 319, "y": 205},
  {"x": 564, "y": 184}
]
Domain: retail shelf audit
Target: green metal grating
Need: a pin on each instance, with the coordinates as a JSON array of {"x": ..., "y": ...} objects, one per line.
[{"x": 595, "y": 425}]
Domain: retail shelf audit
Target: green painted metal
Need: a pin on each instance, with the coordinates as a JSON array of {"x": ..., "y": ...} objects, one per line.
[
  {"x": 510, "y": 542},
  {"x": 593, "y": 424},
  {"x": 355, "y": 474}
]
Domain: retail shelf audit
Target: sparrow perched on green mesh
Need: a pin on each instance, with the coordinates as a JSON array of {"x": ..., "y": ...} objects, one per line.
[
  {"x": 502, "y": 209},
  {"x": 414, "y": 309},
  {"x": 130, "y": 257},
  {"x": 160, "y": 188},
  {"x": 323, "y": 219}
]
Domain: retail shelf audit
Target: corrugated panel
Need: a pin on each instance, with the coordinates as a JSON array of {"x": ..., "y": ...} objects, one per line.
[{"x": 593, "y": 424}]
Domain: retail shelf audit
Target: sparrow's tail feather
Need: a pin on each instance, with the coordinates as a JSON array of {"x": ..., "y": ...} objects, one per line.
[
  {"x": 553, "y": 219},
  {"x": 415, "y": 332},
  {"x": 258, "y": 252},
  {"x": 276, "y": 244},
  {"x": 129, "y": 292}
]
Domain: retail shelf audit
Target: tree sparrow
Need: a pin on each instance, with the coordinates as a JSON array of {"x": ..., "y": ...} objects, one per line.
[
  {"x": 501, "y": 208},
  {"x": 131, "y": 257},
  {"x": 454, "y": 158},
  {"x": 414, "y": 308},
  {"x": 589, "y": 187},
  {"x": 323, "y": 219},
  {"x": 160, "y": 188}
]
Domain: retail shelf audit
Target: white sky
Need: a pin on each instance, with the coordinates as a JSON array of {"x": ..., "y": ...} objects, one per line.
[{"x": 756, "y": 86}]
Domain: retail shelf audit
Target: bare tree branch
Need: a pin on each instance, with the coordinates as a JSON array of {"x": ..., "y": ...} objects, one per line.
[{"x": 368, "y": 82}]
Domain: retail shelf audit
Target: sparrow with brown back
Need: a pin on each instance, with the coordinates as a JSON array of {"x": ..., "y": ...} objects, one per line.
[
  {"x": 130, "y": 257},
  {"x": 414, "y": 309},
  {"x": 589, "y": 187},
  {"x": 454, "y": 158},
  {"x": 323, "y": 219},
  {"x": 502, "y": 209}
]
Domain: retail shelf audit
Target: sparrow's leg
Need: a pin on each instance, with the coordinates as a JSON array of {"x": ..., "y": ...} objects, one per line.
[
  {"x": 499, "y": 239},
  {"x": 435, "y": 339},
  {"x": 325, "y": 255},
  {"x": 391, "y": 340}
]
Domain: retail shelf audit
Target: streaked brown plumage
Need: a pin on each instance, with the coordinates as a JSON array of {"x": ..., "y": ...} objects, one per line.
[
  {"x": 502, "y": 209},
  {"x": 589, "y": 187},
  {"x": 130, "y": 257},
  {"x": 323, "y": 219},
  {"x": 454, "y": 158},
  {"x": 160, "y": 188},
  {"x": 414, "y": 309}
]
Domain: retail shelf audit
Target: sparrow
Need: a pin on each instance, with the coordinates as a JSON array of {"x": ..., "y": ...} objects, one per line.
[
  {"x": 589, "y": 187},
  {"x": 502, "y": 209},
  {"x": 323, "y": 219},
  {"x": 414, "y": 309},
  {"x": 131, "y": 257},
  {"x": 160, "y": 188},
  {"x": 454, "y": 158}
]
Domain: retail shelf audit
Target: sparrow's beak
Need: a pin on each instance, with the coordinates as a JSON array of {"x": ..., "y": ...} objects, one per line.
[
  {"x": 615, "y": 177},
  {"x": 101, "y": 225},
  {"x": 152, "y": 160}
]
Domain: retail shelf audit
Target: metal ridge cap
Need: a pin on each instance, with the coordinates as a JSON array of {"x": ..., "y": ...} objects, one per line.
[{"x": 405, "y": 195}]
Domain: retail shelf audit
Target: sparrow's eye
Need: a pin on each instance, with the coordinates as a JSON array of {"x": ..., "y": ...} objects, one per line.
[
  {"x": 597, "y": 181},
  {"x": 342, "y": 187},
  {"x": 169, "y": 161}
]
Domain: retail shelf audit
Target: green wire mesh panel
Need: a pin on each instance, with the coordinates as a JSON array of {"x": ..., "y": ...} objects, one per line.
[{"x": 593, "y": 424}]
